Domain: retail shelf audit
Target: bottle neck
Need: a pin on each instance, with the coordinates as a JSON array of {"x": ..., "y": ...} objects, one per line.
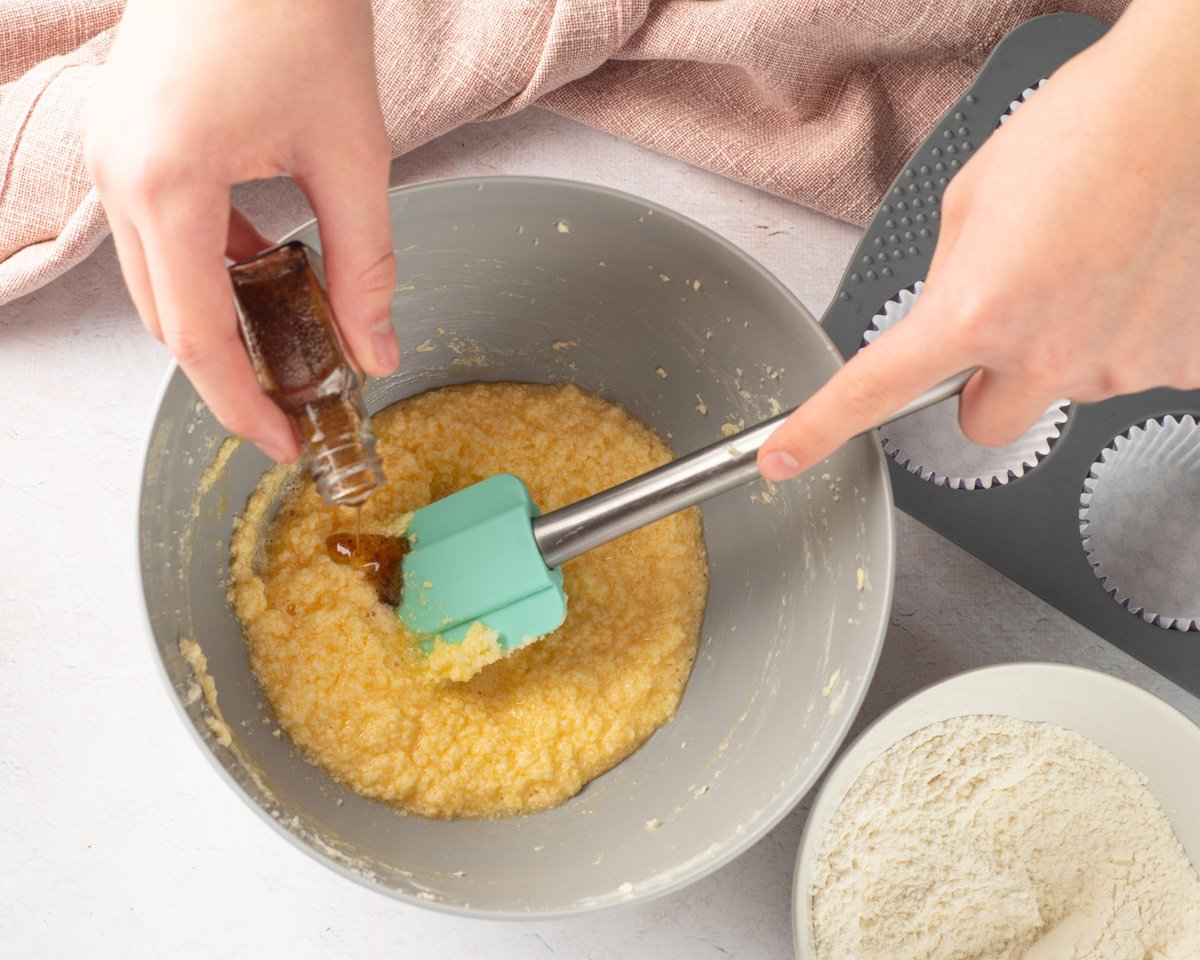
[{"x": 341, "y": 449}]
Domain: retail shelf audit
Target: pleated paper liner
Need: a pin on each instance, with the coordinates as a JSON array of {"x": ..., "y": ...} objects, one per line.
[
  {"x": 1021, "y": 98},
  {"x": 1140, "y": 521},
  {"x": 931, "y": 444}
]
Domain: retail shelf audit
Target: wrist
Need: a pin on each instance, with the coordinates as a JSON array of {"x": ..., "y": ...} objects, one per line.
[
  {"x": 1154, "y": 44},
  {"x": 1142, "y": 83}
]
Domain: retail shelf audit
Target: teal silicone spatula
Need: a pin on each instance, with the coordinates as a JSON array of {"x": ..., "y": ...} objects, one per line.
[{"x": 487, "y": 555}]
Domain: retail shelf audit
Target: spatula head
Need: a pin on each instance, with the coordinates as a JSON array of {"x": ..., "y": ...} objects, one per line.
[{"x": 474, "y": 559}]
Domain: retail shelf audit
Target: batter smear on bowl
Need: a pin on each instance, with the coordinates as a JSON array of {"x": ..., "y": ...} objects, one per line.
[{"x": 352, "y": 687}]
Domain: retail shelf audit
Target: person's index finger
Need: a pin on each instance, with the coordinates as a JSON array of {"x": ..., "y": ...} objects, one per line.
[
  {"x": 896, "y": 368},
  {"x": 199, "y": 322}
]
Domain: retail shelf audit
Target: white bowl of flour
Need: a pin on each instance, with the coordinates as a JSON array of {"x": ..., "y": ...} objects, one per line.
[{"x": 1028, "y": 811}]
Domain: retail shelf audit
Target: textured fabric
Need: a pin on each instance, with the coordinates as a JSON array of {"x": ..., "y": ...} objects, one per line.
[{"x": 815, "y": 100}]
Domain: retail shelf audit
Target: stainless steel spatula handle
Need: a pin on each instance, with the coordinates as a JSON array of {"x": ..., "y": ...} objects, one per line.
[{"x": 575, "y": 529}]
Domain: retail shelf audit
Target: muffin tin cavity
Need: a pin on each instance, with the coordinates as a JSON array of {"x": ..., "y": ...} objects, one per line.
[
  {"x": 1138, "y": 519},
  {"x": 931, "y": 444}
]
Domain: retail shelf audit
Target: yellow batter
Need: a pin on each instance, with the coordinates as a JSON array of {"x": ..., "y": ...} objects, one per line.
[{"x": 348, "y": 683}]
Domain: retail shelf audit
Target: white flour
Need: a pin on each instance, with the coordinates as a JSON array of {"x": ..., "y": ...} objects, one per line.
[{"x": 991, "y": 838}]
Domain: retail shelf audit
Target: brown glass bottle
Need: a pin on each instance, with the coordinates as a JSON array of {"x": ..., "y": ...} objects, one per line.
[{"x": 288, "y": 327}]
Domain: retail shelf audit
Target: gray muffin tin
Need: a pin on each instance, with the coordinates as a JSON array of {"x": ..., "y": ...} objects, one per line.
[{"x": 1027, "y": 528}]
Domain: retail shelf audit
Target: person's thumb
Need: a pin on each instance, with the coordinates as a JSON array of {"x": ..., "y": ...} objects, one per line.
[{"x": 348, "y": 192}]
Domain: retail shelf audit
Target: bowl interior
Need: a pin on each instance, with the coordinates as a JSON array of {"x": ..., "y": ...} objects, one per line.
[
  {"x": 539, "y": 280},
  {"x": 1138, "y": 728}
]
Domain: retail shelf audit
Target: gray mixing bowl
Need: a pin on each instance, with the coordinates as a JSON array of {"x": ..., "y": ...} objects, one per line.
[{"x": 543, "y": 280}]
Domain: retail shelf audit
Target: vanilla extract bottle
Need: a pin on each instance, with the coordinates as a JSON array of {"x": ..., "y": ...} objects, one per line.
[{"x": 288, "y": 326}]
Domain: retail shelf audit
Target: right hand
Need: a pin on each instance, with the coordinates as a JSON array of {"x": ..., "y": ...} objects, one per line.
[
  {"x": 197, "y": 97},
  {"x": 1067, "y": 258}
]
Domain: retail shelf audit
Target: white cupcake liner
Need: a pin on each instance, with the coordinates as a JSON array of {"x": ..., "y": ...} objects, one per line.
[
  {"x": 931, "y": 444},
  {"x": 1139, "y": 518},
  {"x": 1014, "y": 105}
]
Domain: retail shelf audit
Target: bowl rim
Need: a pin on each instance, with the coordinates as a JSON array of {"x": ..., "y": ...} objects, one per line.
[
  {"x": 702, "y": 867},
  {"x": 826, "y": 804}
]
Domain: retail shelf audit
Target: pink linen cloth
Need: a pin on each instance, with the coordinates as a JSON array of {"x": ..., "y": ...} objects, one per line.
[{"x": 817, "y": 101}]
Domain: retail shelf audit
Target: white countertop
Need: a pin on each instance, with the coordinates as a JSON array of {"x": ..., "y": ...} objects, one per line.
[{"x": 118, "y": 838}]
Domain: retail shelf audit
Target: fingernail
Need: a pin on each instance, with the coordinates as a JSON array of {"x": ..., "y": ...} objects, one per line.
[
  {"x": 383, "y": 343},
  {"x": 779, "y": 465}
]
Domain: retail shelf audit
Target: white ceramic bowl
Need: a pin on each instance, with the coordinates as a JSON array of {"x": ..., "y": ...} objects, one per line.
[{"x": 1137, "y": 727}]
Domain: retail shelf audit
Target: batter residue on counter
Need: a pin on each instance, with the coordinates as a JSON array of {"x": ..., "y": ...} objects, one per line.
[
  {"x": 349, "y": 684},
  {"x": 993, "y": 838}
]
